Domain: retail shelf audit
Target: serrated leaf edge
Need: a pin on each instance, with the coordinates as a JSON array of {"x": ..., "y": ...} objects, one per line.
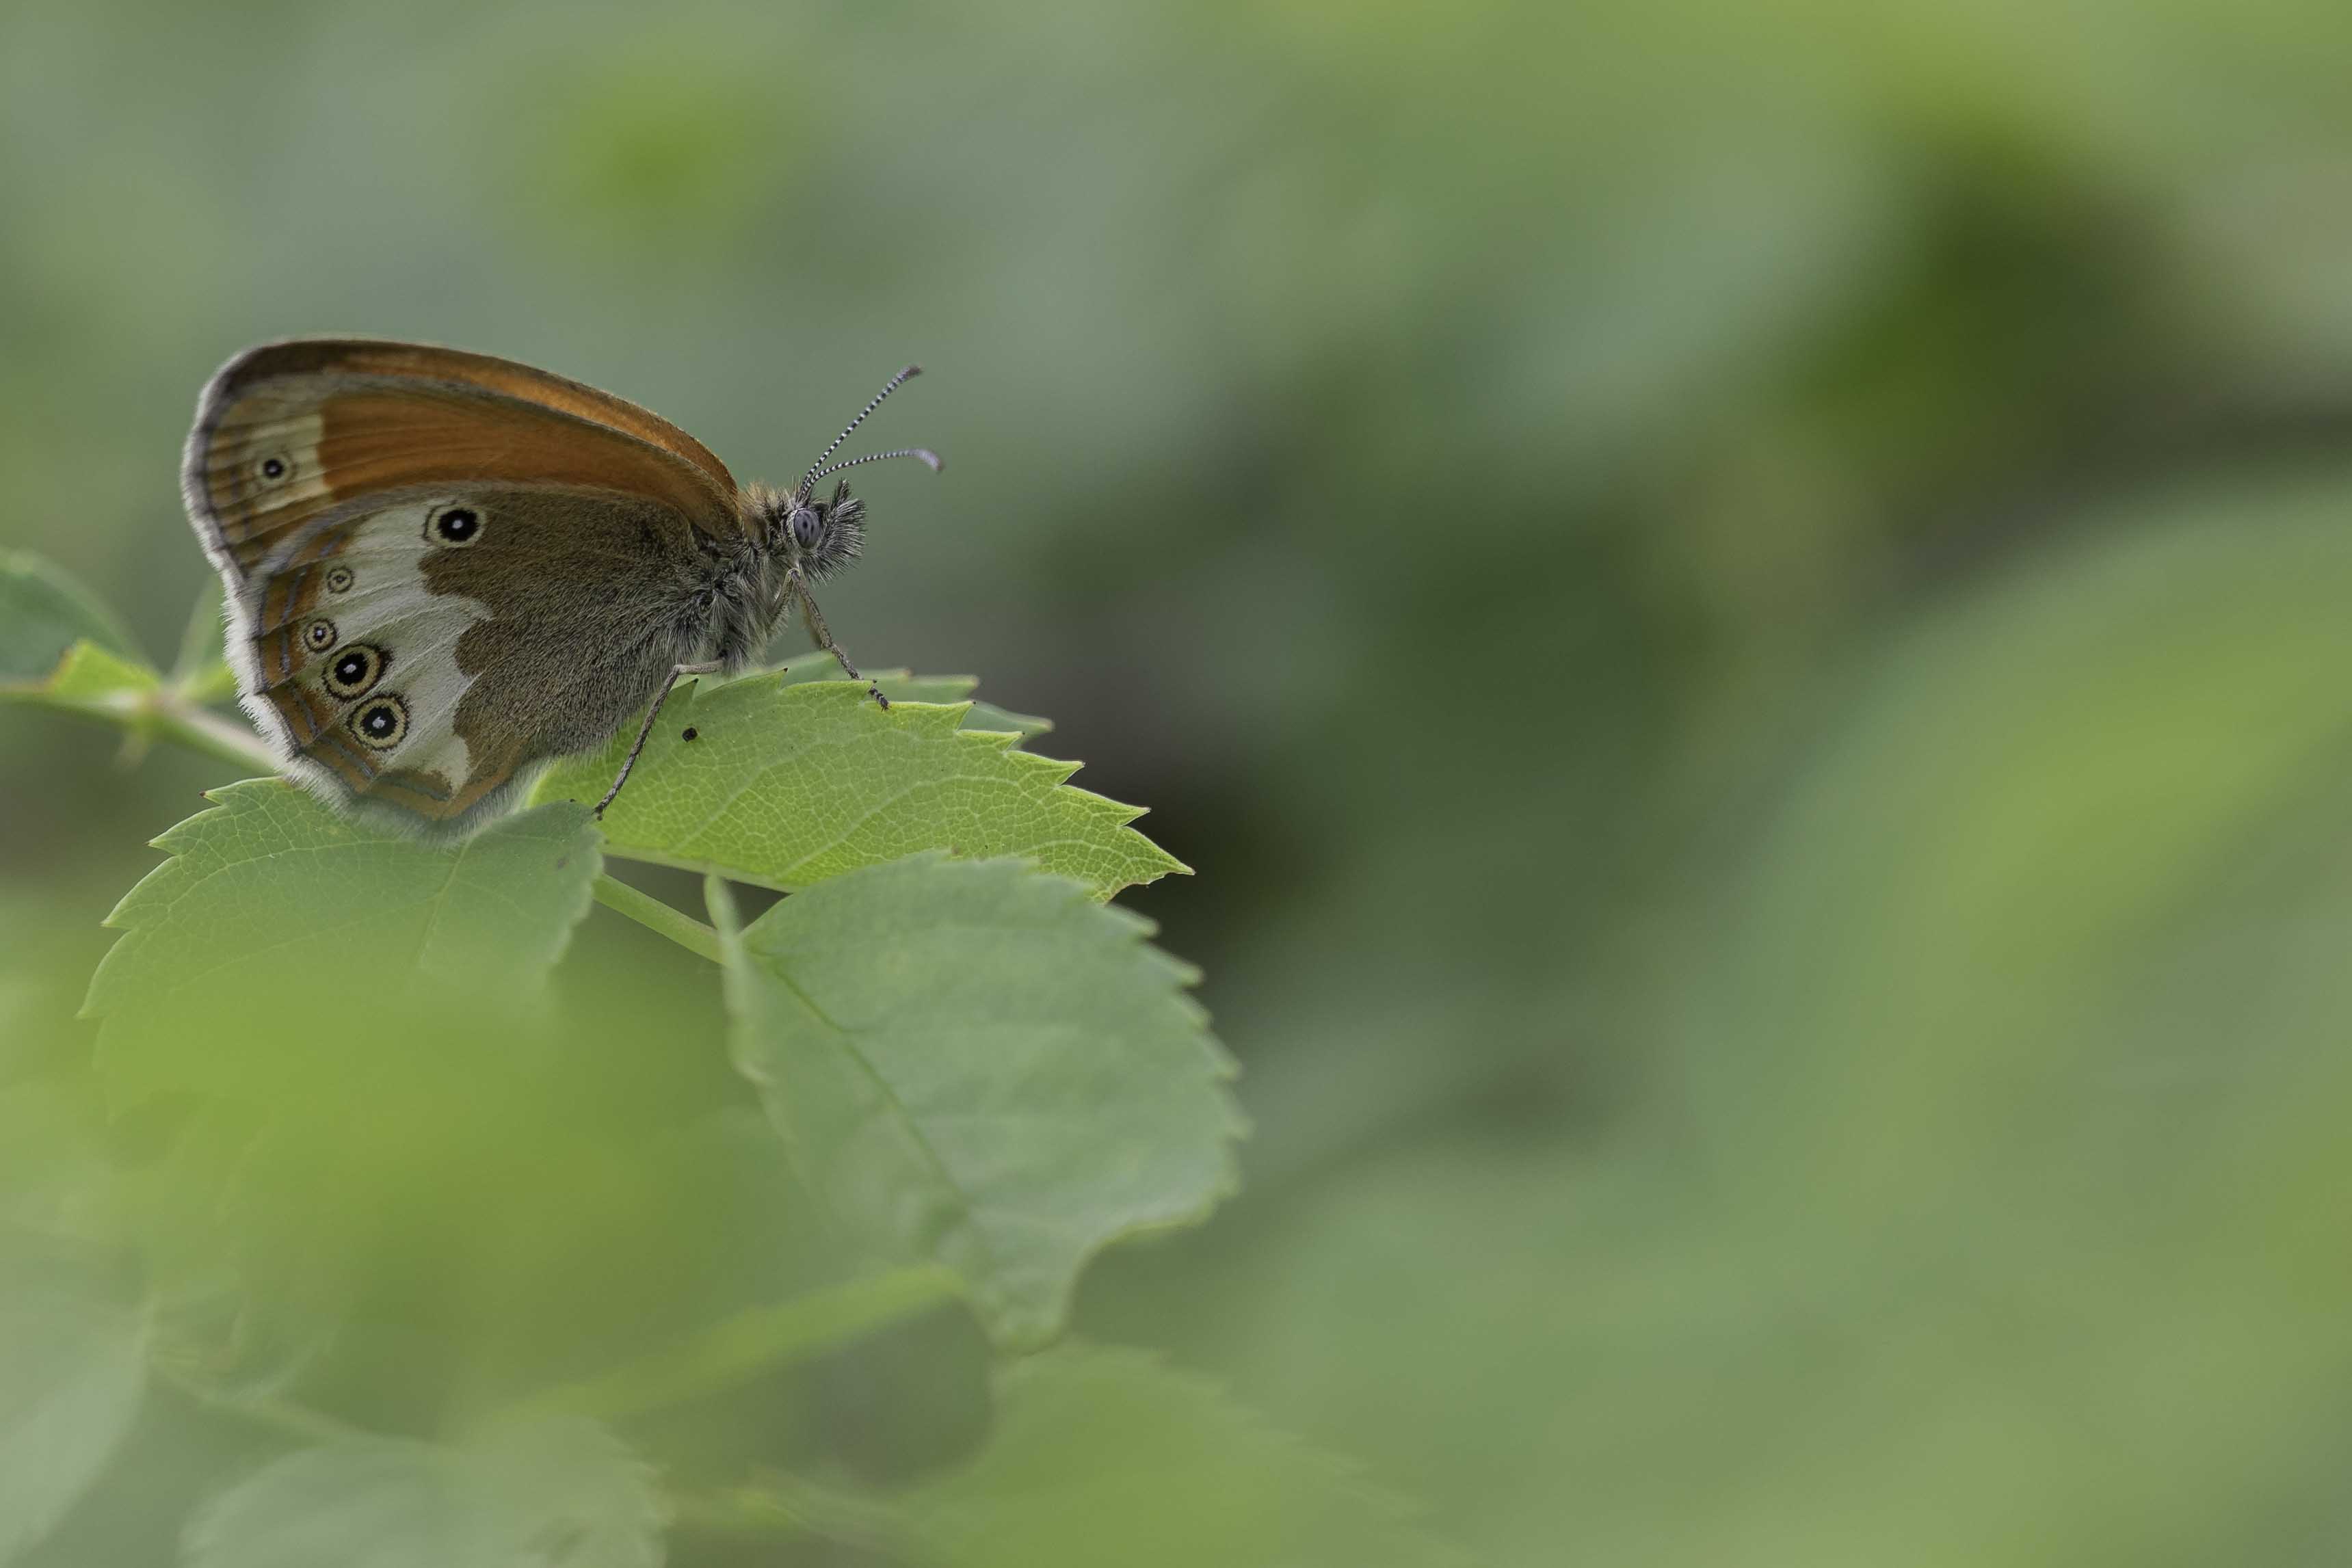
[
  {"x": 1026, "y": 1328},
  {"x": 939, "y": 721}
]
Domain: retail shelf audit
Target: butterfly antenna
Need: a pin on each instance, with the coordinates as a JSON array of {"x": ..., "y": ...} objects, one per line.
[
  {"x": 817, "y": 469},
  {"x": 925, "y": 453}
]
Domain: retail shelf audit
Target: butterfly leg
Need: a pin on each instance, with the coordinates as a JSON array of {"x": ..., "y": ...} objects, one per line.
[
  {"x": 646, "y": 728},
  {"x": 813, "y": 619}
]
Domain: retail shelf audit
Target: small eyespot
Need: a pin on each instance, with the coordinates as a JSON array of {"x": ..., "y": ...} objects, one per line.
[
  {"x": 274, "y": 468},
  {"x": 339, "y": 580},
  {"x": 381, "y": 722},
  {"x": 453, "y": 525},
  {"x": 319, "y": 635},
  {"x": 354, "y": 671}
]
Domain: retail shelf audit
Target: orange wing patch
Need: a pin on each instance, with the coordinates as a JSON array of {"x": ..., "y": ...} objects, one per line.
[{"x": 455, "y": 368}]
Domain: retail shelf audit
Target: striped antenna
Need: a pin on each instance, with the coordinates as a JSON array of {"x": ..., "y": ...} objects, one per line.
[
  {"x": 817, "y": 469},
  {"x": 925, "y": 453}
]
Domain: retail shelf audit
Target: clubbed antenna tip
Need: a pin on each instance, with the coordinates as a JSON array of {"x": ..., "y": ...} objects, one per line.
[{"x": 929, "y": 458}]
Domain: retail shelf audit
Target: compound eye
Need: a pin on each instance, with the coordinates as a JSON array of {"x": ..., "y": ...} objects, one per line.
[{"x": 806, "y": 525}]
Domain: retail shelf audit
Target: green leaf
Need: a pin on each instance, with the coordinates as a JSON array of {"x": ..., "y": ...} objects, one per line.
[
  {"x": 44, "y": 614},
  {"x": 92, "y": 681},
  {"x": 980, "y": 1065},
  {"x": 96, "y": 683},
  {"x": 899, "y": 684},
  {"x": 989, "y": 716},
  {"x": 789, "y": 781},
  {"x": 562, "y": 1491},
  {"x": 753, "y": 1343},
  {"x": 275, "y": 911},
  {"x": 1103, "y": 1456},
  {"x": 903, "y": 685},
  {"x": 72, "y": 1368},
  {"x": 60, "y": 648}
]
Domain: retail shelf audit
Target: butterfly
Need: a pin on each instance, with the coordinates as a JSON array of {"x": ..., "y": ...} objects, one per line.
[{"x": 445, "y": 569}]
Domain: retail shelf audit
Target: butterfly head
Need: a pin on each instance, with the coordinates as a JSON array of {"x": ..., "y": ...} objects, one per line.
[
  {"x": 821, "y": 537},
  {"x": 818, "y": 535}
]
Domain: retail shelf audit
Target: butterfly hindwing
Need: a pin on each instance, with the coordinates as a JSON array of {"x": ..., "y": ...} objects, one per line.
[{"x": 422, "y": 649}]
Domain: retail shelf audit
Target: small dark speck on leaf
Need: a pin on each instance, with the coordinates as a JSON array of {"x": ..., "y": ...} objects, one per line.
[
  {"x": 562, "y": 860},
  {"x": 690, "y": 735}
]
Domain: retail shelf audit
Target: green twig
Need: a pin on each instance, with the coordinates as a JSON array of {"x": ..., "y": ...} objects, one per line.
[
  {"x": 165, "y": 714},
  {"x": 297, "y": 1422},
  {"x": 149, "y": 711},
  {"x": 784, "y": 1508},
  {"x": 744, "y": 1513},
  {"x": 763, "y": 1340},
  {"x": 655, "y": 915},
  {"x": 720, "y": 900}
]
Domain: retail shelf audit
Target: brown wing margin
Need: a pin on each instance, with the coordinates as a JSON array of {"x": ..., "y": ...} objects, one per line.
[{"x": 428, "y": 362}]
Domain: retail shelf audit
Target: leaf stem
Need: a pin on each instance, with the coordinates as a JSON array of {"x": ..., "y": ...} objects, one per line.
[
  {"x": 655, "y": 915},
  {"x": 761, "y": 1340},
  {"x": 289, "y": 1420},
  {"x": 782, "y": 1507},
  {"x": 206, "y": 731},
  {"x": 146, "y": 710},
  {"x": 719, "y": 899}
]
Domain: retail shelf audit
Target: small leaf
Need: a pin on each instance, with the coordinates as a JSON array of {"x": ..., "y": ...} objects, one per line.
[
  {"x": 789, "y": 781},
  {"x": 272, "y": 907},
  {"x": 559, "y": 1493},
  {"x": 1103, "y": 1456},
  {"x": 989, "y": 716},
  {"x": 43, "y": 613},
  {"x": 92, "y": 679},
  {"x": 902, "y": 685},
  {"x": 980, "y": 1065},
  {"x": 72, "y": 1369},
  {"x": 899, "y": 685}
]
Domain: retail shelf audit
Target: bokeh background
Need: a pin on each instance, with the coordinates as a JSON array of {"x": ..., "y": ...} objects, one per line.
[{"x": 1744, "y": 610}]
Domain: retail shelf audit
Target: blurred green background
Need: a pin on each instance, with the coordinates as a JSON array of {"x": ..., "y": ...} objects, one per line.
[{"x": 1742, "y": 610}]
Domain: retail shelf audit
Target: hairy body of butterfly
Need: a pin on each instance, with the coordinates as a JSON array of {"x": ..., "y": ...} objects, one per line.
[{"x": 445, "y": 569}]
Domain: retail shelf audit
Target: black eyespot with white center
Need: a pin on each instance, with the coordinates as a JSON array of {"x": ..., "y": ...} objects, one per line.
[
  {"x": 339, "y": 580},
  {"x": 319, "y": 635},
  {"x": 353, "y": 671},
  {"x": 457, "y": 525},
  {"x": 273, "y": 469},
  {"x": 381, "y": 721}
]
